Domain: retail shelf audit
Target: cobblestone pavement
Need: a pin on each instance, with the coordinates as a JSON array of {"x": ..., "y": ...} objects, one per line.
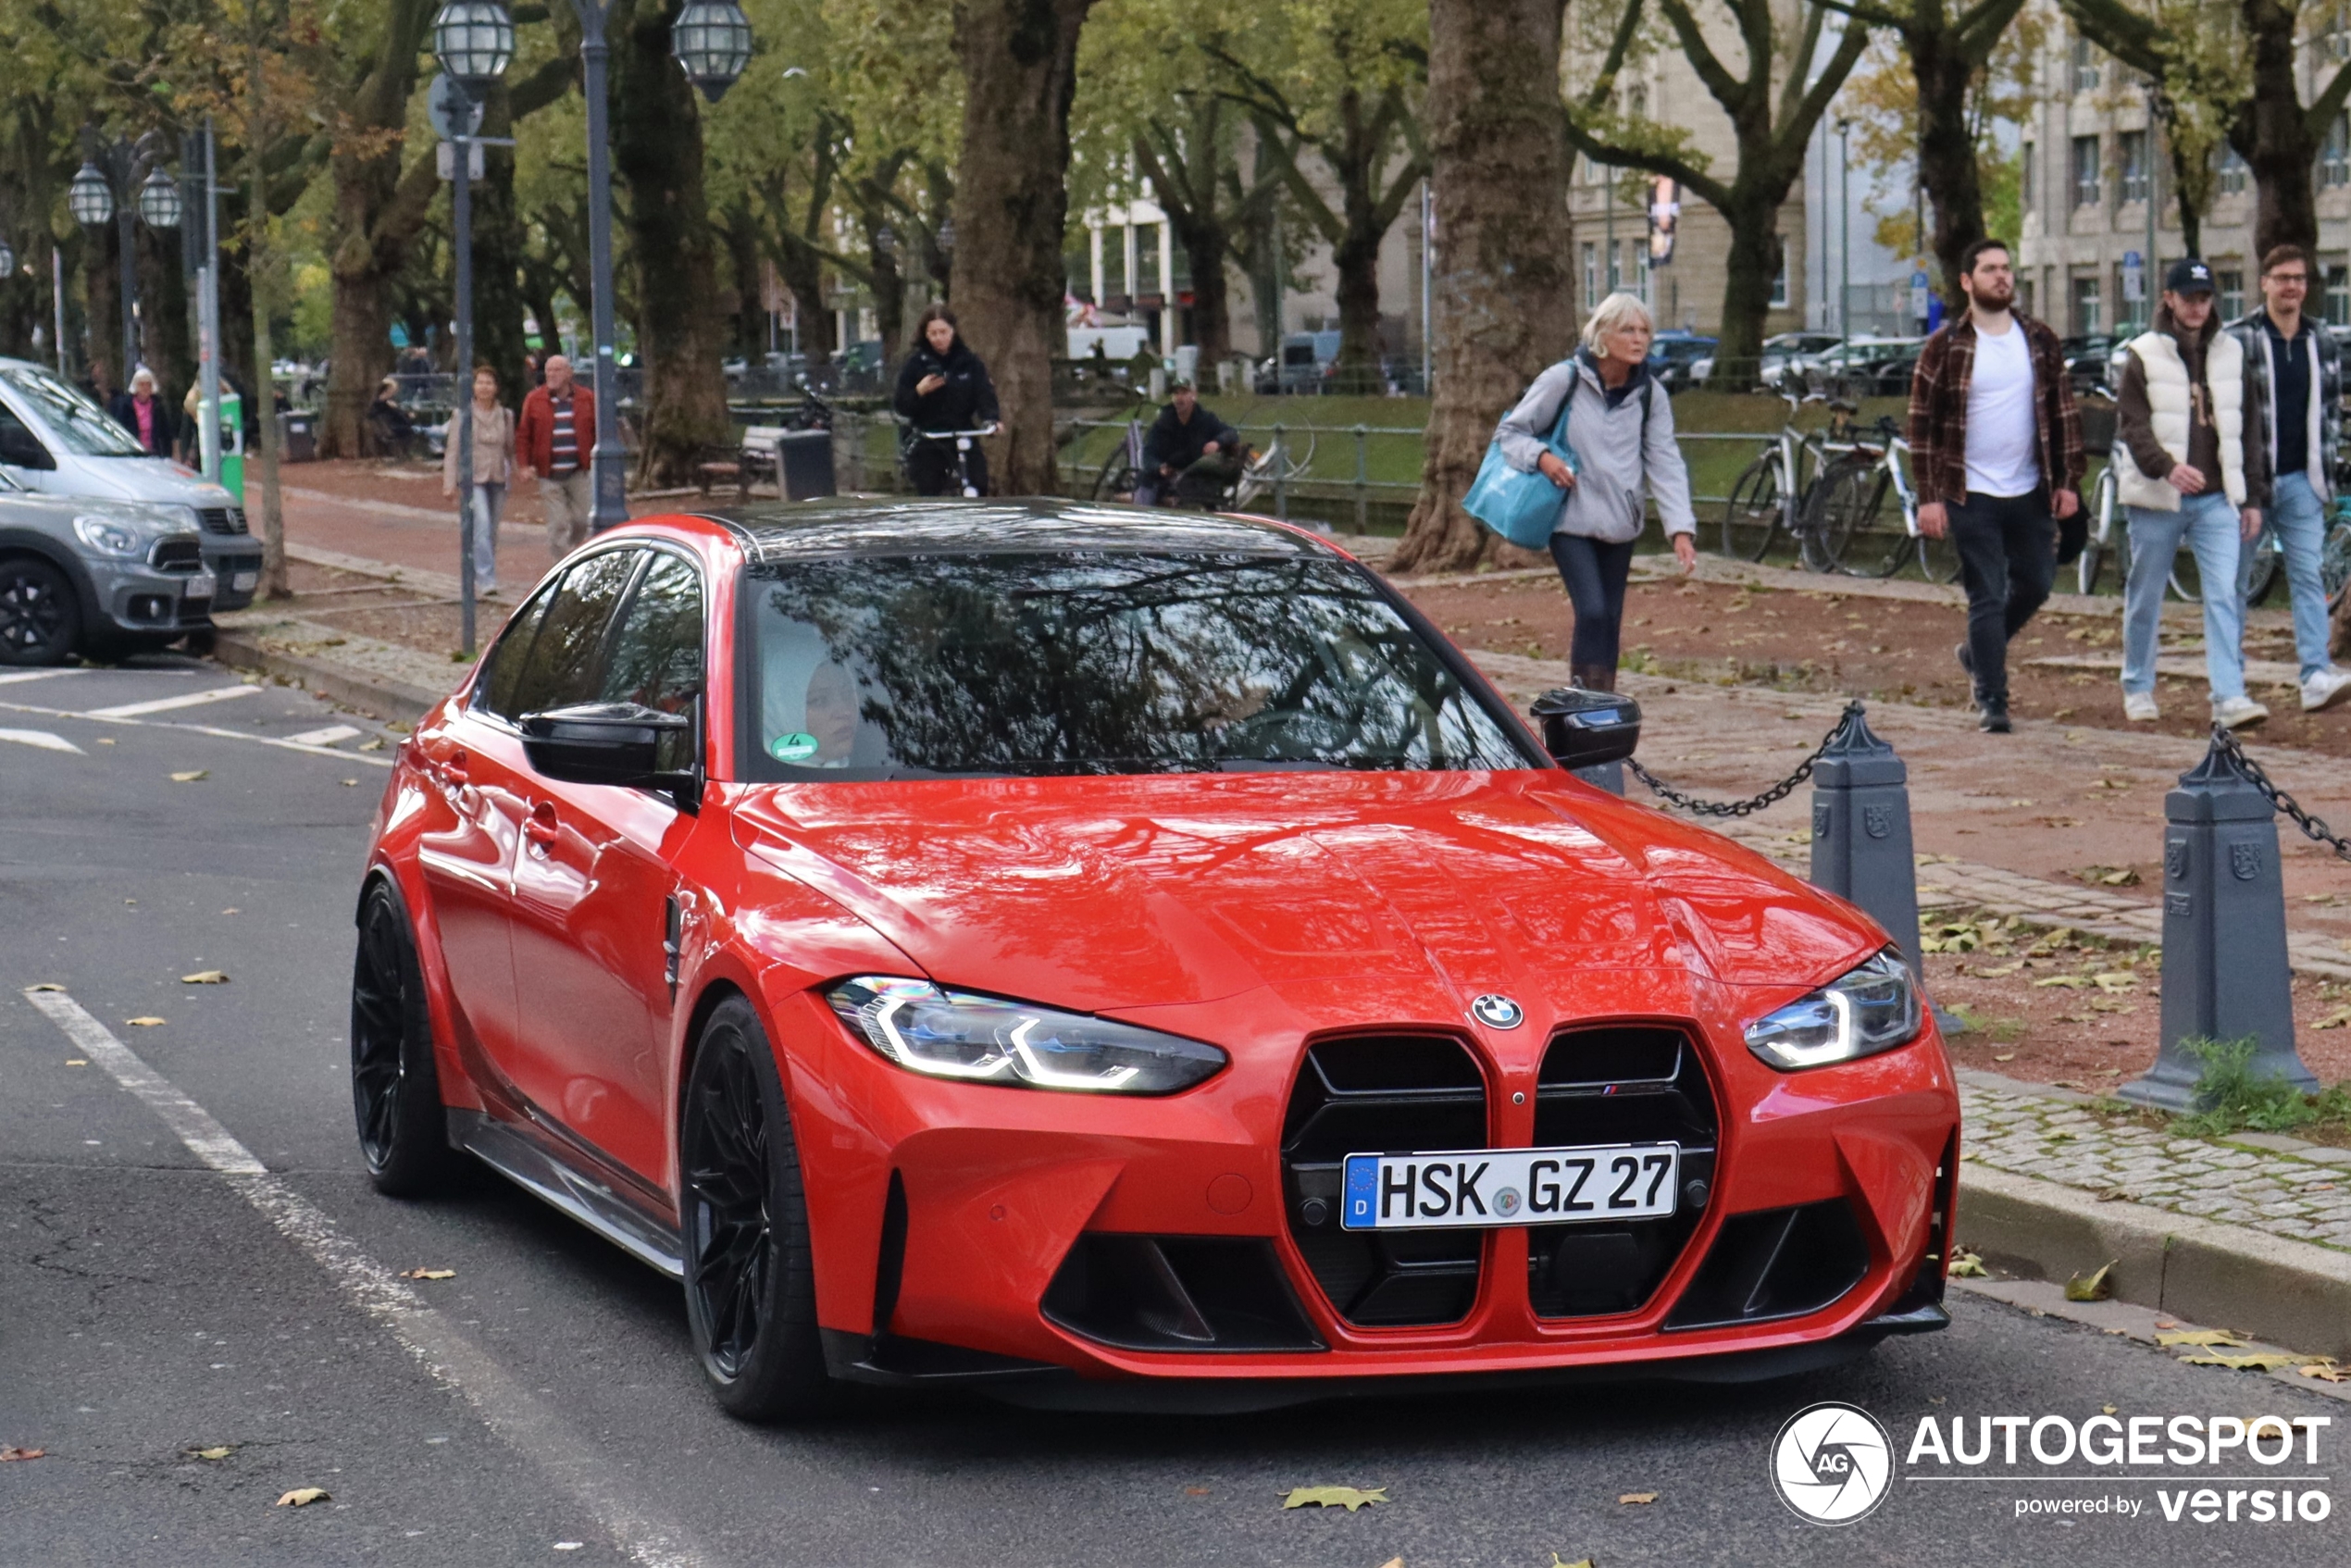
[{"x": 2278, "y": 1185}]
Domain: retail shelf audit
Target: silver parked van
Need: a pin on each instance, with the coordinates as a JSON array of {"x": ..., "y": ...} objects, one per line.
[
  {"x": 88, "y": 576},
  {"x": 55, "y": 440}
]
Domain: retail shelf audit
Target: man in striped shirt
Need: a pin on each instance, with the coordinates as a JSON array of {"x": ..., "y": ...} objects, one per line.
[{"x": 554, "y": 440}]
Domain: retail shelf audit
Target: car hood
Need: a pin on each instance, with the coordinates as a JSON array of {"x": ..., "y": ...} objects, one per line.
[
  {"x": 1136, "y": 892},
  {"x": 151, "y": 479}
]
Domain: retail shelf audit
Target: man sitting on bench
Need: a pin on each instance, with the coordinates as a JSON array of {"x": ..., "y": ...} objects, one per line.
[{"x": 1191, "y": 457}]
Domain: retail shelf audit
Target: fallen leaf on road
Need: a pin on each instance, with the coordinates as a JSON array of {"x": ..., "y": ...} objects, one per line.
[
  {"x": 2003, "y": 969},
  {"x": 2114, "y": 980},
  {"x": 2205, "y": 1337},
  {"x": 302, "y": 1497},
  {"x": 1579, "y": 1562},
  {"x": 1637, "y": 1497},
  {"x": 2107, "y": 1409},
  {"x": 2070, "y": 982},
  {"x": 1347, "y": 1497},
  {"x": 1966, "y": 1265},
  {"x": 221, "y": 1452},
  {"x": 192, "y": 775},
  {"x": 2095, "y": 1288},
  {"x": 2003, "y": 1056},
  {"x": 375, "y": 745},
  {"x": 45, "y": 985},
  {"x": 2338, "y": 1019},
  {"x": 2167, "y": 1323},
  {"x": 350, "y": 783},
  {"x": 77, "y": 1061},
  {"x": 142, "y": 1022},
  {"x": 204, "y": 978},
  {"x": 2260, "y": 1360},
  {"x": 9, "y": 1456},
  {"x": 1195, "y": 1491},
  {"x": 2325, "y": 1368},
  {"x": 2123, "y": 878},
  {"x": 428, "y": 1274}
]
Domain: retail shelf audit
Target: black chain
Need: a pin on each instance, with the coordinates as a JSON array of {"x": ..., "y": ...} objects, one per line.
[
  {"x": 1770, "y": 797},
  {"x": 2314, "y": 828}
]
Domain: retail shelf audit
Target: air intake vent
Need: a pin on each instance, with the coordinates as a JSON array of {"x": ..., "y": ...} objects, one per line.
[
  {"x": 1775, "y": 1262},
  {"x": 1637, "y": 1083},
  {"x": 1374, "y": 1095},
  {"x": 177, "y": 555},
  {"x": 1178, "y": 1293}
]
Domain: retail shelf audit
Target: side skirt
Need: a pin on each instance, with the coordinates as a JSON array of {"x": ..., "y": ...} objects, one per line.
[{"x": 544, "y": 1174}]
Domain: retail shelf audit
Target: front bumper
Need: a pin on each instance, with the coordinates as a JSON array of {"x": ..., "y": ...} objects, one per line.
[
  {"x": 235, "y": 563},
  {"x": 133, "y": 596},
  {"x": 947, "y": 1219}
]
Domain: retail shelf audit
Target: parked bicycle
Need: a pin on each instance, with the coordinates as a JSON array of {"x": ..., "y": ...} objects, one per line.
[
  {"x": 1866, "y": 516},
  {"x": 1770, "y": 499},
  {"x": 1123, "y": 471},
  {"x": 963, "y": 440}
]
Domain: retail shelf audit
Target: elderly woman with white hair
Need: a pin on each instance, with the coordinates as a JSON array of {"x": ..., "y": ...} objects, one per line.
[{"x": 1620, "y": 425}]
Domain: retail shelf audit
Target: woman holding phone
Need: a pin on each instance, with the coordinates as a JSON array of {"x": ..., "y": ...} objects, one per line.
[{"x": 943, "y": 387}]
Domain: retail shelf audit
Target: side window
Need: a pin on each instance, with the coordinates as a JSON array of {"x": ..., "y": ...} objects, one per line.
[
  {"x": 565, "y": 664},
  {"x": 19, "y": 446},
  {"x": 508, "y": 656},
  {"x": 657, "y": 652}
]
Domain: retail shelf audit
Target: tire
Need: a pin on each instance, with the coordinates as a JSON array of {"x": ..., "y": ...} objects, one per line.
[
  {"x": 2089, "y": 566},
  {"x": 751, "y": 1286},
  {"x": 395, "y": 1090},
  {"x": 1118, "y": 478},
  {"x": 40, "y": 617},
  {"x": 1754, "y": 507}
]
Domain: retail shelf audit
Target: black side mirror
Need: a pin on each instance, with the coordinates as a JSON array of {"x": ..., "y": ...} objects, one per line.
[
  {"x": 1586, "y": 728},
  {"x": 621, "y": 743}
]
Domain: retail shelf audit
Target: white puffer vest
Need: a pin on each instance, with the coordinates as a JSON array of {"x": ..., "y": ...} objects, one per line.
[{"x": 2167, "y": 381}]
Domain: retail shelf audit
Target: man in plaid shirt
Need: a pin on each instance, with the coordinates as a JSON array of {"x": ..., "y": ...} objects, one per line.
[{"x": 1996, "y": 452}]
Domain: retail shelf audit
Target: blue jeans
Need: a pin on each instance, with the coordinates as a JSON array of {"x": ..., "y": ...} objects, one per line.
[
  {"x": 2209, "y": 524},
  {"x": 2300, "y": 519},
  {"x": 489, "y": 501}
]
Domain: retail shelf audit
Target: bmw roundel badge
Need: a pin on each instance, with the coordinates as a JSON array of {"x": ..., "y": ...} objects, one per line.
[{"x": 1498, "y": 1012}]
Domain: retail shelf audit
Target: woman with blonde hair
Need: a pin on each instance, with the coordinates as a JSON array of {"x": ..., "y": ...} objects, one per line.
[{"x": 1619, "y": 429}]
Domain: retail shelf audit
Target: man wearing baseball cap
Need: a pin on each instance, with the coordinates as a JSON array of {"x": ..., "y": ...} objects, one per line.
[{"x": 2185, "y": 470}]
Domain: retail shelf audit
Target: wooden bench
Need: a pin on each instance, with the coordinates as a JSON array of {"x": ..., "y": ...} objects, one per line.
[{"x": 738, "y": 465}]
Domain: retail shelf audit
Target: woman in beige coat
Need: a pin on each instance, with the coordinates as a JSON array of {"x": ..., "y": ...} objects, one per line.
[{"x": 494, "y": 465}]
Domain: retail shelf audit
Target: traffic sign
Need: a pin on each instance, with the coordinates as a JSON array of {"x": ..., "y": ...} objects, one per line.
[{"x": 441, "y": 104}]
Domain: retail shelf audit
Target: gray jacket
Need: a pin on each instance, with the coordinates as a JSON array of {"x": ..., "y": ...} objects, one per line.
[{"x": 1608, "y": 501}]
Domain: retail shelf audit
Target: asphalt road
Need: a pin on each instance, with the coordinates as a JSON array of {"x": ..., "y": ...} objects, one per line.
[{"x": 542, "y": 1406}]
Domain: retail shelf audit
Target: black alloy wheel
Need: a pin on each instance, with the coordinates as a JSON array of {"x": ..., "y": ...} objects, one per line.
[
  {"x": 751, "y": 1291},
  {"x": 39, "y": 619},
  {"x": 395, "y": 1090}
]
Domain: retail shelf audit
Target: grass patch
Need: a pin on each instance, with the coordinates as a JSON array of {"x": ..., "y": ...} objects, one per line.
[{"x": 2230, "y": 1097}]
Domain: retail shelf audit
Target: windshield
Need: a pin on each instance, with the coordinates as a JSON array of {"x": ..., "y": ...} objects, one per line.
[
  {"x": 77, "y": 424},
  {"x": 1039, "y": 665}
]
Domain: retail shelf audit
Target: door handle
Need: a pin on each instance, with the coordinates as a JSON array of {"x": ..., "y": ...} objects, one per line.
[{"x": 541, "y": 827}]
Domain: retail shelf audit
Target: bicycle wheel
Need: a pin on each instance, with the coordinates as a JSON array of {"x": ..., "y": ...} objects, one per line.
[
  {"x": 2334, "y": 564},
  {"x": 1117, "y": 479},
  {"x": 2089, "y": 566},
  {"x": 1860, "y": 528},
  {"x": 1752, "y": 520},
  {"x": 2265, "y": 574},
  {"x": 2186, "y": 582}
]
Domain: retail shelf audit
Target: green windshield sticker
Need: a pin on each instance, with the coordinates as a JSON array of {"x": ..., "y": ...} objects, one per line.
[{"x": 795, "y": 747}]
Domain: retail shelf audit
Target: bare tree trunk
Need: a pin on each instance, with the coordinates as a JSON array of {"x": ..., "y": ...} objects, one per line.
[
  {"x": 2285, "y": 206},
  {"x": 499, "y": 307},
  {"x": 1011, "y": 202},
  {"x": 102, "y": 291},
  {"x": 261, "y": 404},
  {"x": 1946, "y": 149},
  {"x": 1505, "y": 290},
  {"x": 657, "y": 154},
  {"x": 163, "y": 311}
]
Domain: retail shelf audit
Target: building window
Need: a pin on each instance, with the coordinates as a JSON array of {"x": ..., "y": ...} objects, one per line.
[
  {"x": 2086, "y": 67},
  {"x": 2233, "y": 173},
  {"x": 2028, "y": 151},
  {"x": 2086, "y": 172},
  {"x": 2132, "y": 151},
  {"x": 1779, "y": 283},
  {"x": 1615, "y": 265},
  {"x": 2086, "y": 317},
  {"x": 2337, "y": 37},
  {"x": 2024, "y": 296},
  {"x": 2334, "y": 154},
  {"x": 2338, "y": 295},
  {"x": 1591, "y": 274},
  {"x": 2232, "y": 291}
]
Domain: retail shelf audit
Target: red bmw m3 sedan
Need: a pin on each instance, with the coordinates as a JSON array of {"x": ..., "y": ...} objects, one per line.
[{"x": 1129, "y": 960}]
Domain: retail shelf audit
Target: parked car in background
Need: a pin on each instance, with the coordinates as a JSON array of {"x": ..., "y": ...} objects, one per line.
[
  {"x": 1307, "y": 360},
  {"x": 1867, "y": 367},
  {"x": 1781, "y": 352},
  {"x": 2089, "y": 358},
  {"x": 79, "y": 575},
  {"x": 55, "y": 440},
  {"x": 1673, "y": 355}
]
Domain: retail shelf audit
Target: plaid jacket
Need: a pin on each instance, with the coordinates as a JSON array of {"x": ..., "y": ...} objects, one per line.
[{"x": 1938, "y": 411}]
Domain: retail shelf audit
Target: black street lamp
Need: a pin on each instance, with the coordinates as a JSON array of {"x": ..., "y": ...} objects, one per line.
[
  {"x": 90, "y": 196},
  {"x": 712, "y": 40},
  {"x": 159, "y": 200},
  {"x": 115, "y": 181},
  {"x": 474, "y": 40}
]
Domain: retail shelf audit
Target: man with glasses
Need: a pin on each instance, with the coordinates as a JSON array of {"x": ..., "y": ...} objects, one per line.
[{"x": 2299, "y": 376}]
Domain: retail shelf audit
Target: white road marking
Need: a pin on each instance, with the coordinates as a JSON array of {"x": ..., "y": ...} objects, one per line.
[
  {"x": 360, "y": 757},
  {"x": 164, "y": 705},
  {"x": 42, "y": 739},
  {"x": 16, "y": 677},
  {"x": 511, "y": 1410},
  {"x": 326, "y": 737}
]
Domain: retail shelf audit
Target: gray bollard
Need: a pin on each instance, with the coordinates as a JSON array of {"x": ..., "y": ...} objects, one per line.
[
  {"x": 1862, "y": 837},
  {"x": 2226, "y": 976}
]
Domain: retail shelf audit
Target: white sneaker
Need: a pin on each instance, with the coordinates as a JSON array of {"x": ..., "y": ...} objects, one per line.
[
  {"x": 2325, "y": 689},
  {"x": 2239, "y": 713},
  {"x": 2139, "y": 707}
]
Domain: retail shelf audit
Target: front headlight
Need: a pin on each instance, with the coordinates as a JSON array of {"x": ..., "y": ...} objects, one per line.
[
  {"x": 107, "y": 536},
  {"x": 958, "y": 1035},
  {"x": 1873, "y": 1008}
]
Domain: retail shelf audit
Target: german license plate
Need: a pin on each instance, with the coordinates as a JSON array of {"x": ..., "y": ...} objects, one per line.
[
  {"x": 1465, "y": 1189},
  {"x": 202, "y": 585}
]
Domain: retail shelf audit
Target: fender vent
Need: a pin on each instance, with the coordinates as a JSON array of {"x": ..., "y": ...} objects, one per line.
[
  {"x": 1375, "y": 1094},
  {"x": 1178, "y": 1293}
]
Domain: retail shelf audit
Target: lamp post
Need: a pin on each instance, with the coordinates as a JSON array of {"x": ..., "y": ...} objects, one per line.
[
  {"x": 473, "y": 40},
  {"x": 132, "y": 174},
  {"x": 1844, "y": 230}
]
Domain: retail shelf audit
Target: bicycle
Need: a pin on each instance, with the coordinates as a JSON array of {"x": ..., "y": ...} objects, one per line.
[
  {"x": 1122, "y": 471},
  {"x": 1848, "y": 509},
  {"x": 1770, "y": 497},
  {"x": 963, "y": 440}
]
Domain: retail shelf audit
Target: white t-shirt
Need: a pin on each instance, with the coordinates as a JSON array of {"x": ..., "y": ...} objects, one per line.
[{"x": 2003, "y": 442}]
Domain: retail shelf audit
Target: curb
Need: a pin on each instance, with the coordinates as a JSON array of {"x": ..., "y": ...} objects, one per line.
[
  {"x": 2271, "y": 1288},
  {"x": 378, "y": 696}
]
